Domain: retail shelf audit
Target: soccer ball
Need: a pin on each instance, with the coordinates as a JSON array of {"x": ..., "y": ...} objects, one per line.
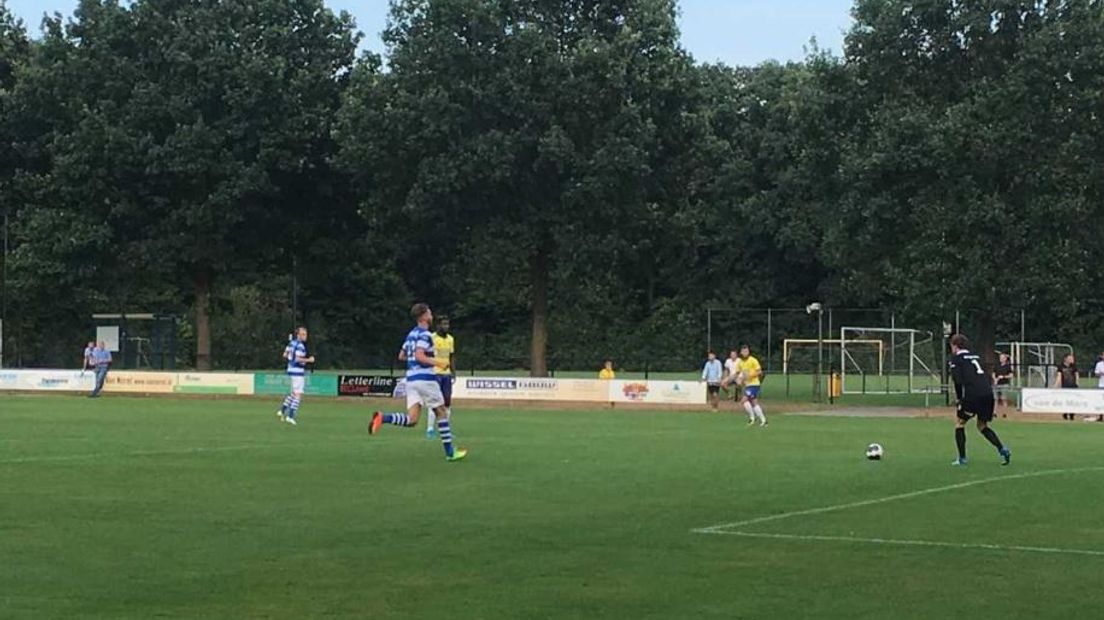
[{"x": 874, "y": 452}]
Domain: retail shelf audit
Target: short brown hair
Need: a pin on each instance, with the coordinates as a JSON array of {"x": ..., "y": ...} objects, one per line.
[
  {"x": 958, "y": 340},
  {"x": 418, "y": 310}
]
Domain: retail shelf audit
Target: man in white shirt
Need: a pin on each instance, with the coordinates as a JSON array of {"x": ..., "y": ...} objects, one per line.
[{"x": 730, "y": 371}]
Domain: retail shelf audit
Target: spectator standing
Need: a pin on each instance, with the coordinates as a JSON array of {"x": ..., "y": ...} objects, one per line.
[
  {"x": 1066, "y": 378},
  {"x": 607, "y": 371},
  {"x": 88, "y": 362},
  {"x": 1002, "y": 378},
  {"x": 711, "y": 375},
  {"x": 101, "y": 359},
  {"x": 1098, "y": 370},
  {"x": 730, "y": 371}
]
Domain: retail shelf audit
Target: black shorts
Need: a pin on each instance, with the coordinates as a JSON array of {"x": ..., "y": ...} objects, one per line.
[
  {"x": 713, "y": 389},
  {"x": 981, "y": 407}
]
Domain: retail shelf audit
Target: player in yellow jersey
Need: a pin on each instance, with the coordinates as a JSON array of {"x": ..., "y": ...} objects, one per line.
[
  {"x": 444, "y": 348},
  {"x": 752, "y": 374}
]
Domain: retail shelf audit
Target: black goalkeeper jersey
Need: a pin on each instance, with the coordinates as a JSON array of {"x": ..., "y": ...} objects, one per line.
[{"x": 970, "y": 379}]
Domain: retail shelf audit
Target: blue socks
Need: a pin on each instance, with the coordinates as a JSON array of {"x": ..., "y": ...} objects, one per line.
[
  {"x": 445, "y": 431},
  {"x": 398, "y": 419},
  {"x": 292, "y": 407},
  {"x": 287, "y": 404}
]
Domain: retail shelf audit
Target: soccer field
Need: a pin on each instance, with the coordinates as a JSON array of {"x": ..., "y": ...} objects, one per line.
[{"x": 141, "y": 508}]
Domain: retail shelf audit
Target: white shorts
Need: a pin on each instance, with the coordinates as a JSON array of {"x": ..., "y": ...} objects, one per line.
[
  {"x": 426, "y": 393},
  {"x": 298, "y": 383}
]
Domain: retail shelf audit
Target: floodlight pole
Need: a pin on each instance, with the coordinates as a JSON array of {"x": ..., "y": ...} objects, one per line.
[
  {"x": 4, "y": 287},
  {"x": 818, "y": 387},
  {"x": 820, "y": 355},
  {"x": 943, "y": 370},
  {"x": 708, "y": 328}
]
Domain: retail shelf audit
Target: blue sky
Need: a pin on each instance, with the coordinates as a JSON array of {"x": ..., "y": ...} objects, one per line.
[{"x": 737, "y": 32}]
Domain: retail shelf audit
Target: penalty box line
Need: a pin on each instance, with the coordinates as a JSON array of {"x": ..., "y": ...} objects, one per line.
[
  {"x": 733, "y": 528},
  {"x": 911, "y": 543},
  {"x": 715, "y": 529}
]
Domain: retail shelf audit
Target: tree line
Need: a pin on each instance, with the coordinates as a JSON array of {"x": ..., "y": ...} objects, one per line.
[{"x": 560, "y": 176}]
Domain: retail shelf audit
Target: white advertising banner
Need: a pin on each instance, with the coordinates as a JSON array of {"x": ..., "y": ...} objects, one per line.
[
  {"x": 525, "y": 388},
  {"x": 580, "y": 390},
  {"x": 657, "y": 392},
  {"x": 1049, "y": 400},
  {"x": 213, "y": 383},
  {"x": 46, "y": 380}
]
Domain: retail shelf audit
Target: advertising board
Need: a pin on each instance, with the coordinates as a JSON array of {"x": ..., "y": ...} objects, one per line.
[
  {"x": 1045, "y": 400},
  {"x": 366, "y": 385},
  {"x": 525, "y": 388},
  {"x": 657, "y": 392},
  {"x": 46, "y": 380},
  {"x": 213, "y": 383},
  {"x": 280, "y": 383}
]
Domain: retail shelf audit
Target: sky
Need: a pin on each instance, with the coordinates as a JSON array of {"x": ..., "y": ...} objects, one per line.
[{"x": 736, "y": 32}]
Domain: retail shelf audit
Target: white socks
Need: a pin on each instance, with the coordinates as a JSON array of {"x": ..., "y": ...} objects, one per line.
[
  {"x": 759, "y": 414},
  {"x": 750, "y": 411}
]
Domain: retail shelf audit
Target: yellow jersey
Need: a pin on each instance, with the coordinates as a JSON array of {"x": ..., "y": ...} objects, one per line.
[
  {"x": 606, "y": 373},
  {"x": 443, "y": 348},
  {"x": 751, "y": 368}
]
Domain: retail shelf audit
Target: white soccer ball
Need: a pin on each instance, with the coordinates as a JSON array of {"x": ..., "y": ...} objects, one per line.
[{"x": 874, "y": 452}]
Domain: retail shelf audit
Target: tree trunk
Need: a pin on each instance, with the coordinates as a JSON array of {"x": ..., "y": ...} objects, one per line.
[
  {"x": 984, "y": 343},
  {"x": 539, "y": 277},
  {"x": 203, "y": 320}
]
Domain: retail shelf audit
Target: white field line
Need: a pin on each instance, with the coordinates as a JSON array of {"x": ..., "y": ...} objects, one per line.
[
  {"x": 910, "y": 543},
  {"x": 178, "y": 451},
  {"x": 716, "y": 529}
]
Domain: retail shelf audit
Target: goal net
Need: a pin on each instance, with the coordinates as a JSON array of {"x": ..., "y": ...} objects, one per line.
[
  {"x": 906, "y": 362},
  {"x": 1034, "y": 363}
]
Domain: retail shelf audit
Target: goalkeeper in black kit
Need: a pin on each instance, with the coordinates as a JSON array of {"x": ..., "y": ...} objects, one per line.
[{"x": 974, "y": 391}]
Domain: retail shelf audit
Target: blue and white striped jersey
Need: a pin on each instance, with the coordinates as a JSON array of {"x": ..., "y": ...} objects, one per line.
[
  {"x": 294, "y": 350},
  {"x": 418, "y": 338}
]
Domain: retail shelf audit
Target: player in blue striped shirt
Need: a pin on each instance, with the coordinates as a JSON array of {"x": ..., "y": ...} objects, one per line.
[
  {"x": 295, "y": 354},
  {"x": 422, "y": 388}
]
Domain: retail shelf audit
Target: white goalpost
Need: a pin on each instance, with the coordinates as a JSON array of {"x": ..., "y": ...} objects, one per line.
[
  {"x": 913, "y": 367},
  {"x": 1034, "y": 363},
  {"x": 789, "y": 344}
]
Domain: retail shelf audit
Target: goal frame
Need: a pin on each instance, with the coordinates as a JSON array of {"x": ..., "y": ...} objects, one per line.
[
  {"x": 788, "y": 346},
  {"x": 914, "y": 361},
  {"x": 1033, "y": 358}
]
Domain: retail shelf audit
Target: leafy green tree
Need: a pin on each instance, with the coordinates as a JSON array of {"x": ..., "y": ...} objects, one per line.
[
  {"x": 966, "y": 176},
  {"x": 196, "y": 133},
  {"x": 527, "y": 132}
]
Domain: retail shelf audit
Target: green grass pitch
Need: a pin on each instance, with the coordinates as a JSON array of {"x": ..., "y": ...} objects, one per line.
[{"x": 148, "y": 508}]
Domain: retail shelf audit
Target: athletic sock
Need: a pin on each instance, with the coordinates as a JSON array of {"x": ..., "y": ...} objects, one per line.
[
  {"x": 960, "y": 441},
  {"x": 293, "y": 408},
  {"x": 445, "y": 431},
  {"x": 431, "y": 420},
  {"x": 991, "y": 435},
  {"x": 759, "y": 413},
  {"x": 750, "y": 410},
  {"x": 287, "y": 403},
  {"x": 398, "y": 419}
]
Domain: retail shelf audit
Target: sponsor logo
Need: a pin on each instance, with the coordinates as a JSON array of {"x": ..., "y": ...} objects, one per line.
[
  {"x": 365, "y": 385},
  {"x": 537, "y": 384},
  {"x": 52, "y": 382},
  {"x": 8, "y": 378},
  {"x": 635, "y": 391},
  {"x": 491, "y": 384}
]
